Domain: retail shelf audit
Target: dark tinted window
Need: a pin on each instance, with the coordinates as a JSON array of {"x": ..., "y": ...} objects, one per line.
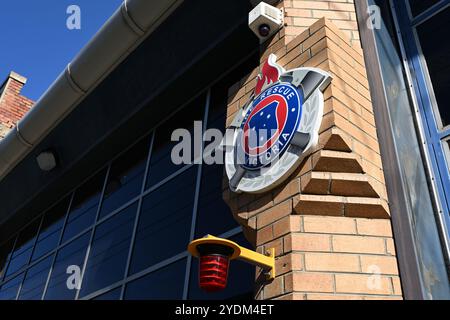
[
  {"x": 213, "y": 214},
  {"x": 166, "y": 283},
  {"x": 5, "y": 254},
  {"x": 110, "y": 295},
  {"x": 165, "y": 221},
  {"x": 23, "y": 248},
  {"x": 8, "y": 291},
  {"x": 84, "y": 206},
  {"x": 35, "y": 279},
  {"x": 71, "y": 254},
  {"x": 50, "y": 231},
  {"x": 437, "y": 53},
  {"x": 419, "y": 6},
  {"x": 161, "y": 164},
  {"x": 109, "y": 251},
  {"x": 241, "y": 277},
  {"x": 163, "y": 229},
  {"x": 125, "y": 177}
]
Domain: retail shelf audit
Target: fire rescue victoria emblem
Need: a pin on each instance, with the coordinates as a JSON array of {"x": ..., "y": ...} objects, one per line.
[{"x": 276, "y": 129}]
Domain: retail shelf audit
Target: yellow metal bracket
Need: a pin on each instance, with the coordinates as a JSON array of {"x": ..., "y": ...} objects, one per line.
[{"x": 266, "y": 262}]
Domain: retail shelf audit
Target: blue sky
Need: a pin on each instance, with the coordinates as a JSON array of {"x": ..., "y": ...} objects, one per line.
[{"x": 36, "y": 43}]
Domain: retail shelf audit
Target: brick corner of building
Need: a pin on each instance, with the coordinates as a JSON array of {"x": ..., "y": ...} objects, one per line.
[{"x": 329, "y": 222}]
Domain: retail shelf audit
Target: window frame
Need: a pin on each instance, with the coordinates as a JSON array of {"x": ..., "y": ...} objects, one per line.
[
  {"x": 433, "y": 133},
  {"x": 407, "y": 255}
]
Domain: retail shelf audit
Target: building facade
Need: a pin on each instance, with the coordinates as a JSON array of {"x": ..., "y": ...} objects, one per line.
[{"x": 363, "y": 216}]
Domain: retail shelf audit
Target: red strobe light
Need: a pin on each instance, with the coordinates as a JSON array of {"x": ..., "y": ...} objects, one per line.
[
  {"x": 213, "y": 272},
  {"x": 215, "y": 255},
  {"x": 213, "y": 268}
]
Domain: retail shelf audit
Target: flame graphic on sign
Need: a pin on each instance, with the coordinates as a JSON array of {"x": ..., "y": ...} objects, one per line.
[{"x": 270, "y": 73}]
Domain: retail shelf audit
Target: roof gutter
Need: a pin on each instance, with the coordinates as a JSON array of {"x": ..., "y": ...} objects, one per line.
[{"x": 118, "y": 37}]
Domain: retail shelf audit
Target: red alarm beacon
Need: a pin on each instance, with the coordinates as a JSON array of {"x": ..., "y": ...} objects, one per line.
[
  {"x": 215, "y": 255},
  {"x": 214, "y": 264}
]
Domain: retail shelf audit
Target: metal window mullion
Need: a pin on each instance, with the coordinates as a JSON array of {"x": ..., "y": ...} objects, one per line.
[
  {"x": 157, "y": 266},
  {"x": 168, "y": 179},
  {"x": 76, "y": 236},
  {"x": 20, "y": 287},
  {"x": 9, "y": 260},
  {"x": 57, "y": 202},
  {"x": 117, "y": 210},
  {"x": 196, "y": 197},
  {"x": 153, "y": 268},
  {"x": 36, "y": 239},
  {"x": 31, "y": 255},
  {"x": 14, "y": 248},
  {"x": 45, "y": 256},
  {"x": 444, "y": 133},
  {"x": 57, "y": 246},
  {"x": 138, "y": 213},
  {"x": 107, "y": 289},
  {"x": 231, "y": 233},
  {"x": 93, "y": 230},
  {"x": 429, "y": 13}
]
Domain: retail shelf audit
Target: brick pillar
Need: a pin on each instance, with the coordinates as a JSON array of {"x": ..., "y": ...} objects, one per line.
[
  {"x": 300, "y": 14},
  {"x": 13, "y": 105},
  {"x": 330, "y": 221}
]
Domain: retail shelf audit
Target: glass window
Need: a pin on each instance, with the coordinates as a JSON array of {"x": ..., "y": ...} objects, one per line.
[
  {"x": 71, "y": 254},
  {"x": 161, "y": 164},
  {"x": 5, "y": 254},
  {"x": 213, "y": 214},
  {"x": 165, "y": 221},
  {"x": 437, "y": 53},
  {"x": 109, "y": 251},
  {"x": 8, "y": 291},
  {"x": 84, "y": 206},
  {"x": 110, "y": 295},
  {"x": 23, "y": 248},
  {"x": 50, "y": 229},
  {"x": 240, "y": 282},
  {"x": 419, "y": 6},
  {"x": 166, "y": 283},
  {"x": 125, "y": 177},
  {"x": 35, "y": 279}
]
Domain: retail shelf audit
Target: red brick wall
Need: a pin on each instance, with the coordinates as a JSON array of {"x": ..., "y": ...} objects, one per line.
[{"x": 13, "y": 105}]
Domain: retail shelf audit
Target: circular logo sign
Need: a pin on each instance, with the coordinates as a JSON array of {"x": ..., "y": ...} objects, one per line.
[
  {"x": 277, "y": 128},
  {"x": 269, "y": 126}
]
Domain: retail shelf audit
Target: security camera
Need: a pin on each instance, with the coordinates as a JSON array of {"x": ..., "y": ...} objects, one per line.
[{"x": 265, "y": 20}]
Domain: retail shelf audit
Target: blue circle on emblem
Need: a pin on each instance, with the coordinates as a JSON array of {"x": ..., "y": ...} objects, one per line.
[{"x": 269, "y": 126}]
